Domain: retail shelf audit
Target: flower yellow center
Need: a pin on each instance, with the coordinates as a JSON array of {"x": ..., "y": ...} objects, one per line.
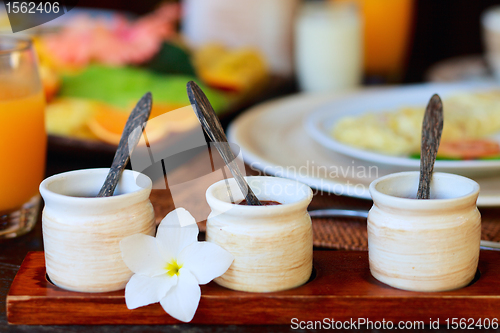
[{"x": 173, "y": 268}]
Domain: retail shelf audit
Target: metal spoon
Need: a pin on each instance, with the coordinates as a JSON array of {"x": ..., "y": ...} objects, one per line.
[
  {"x": 129, "y": 139},
  {"x": 212, "y": 127},
  {"x": 432, "y": 128}
]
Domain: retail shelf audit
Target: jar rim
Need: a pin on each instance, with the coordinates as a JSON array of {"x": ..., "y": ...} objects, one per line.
[
  {"x": 141, "y": 181},
  {"x": 301, "y": 201},
  {"x": 469, "y": 193}
]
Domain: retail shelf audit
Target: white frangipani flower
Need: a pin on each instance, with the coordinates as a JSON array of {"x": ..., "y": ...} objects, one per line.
[{"x": 170, "y": 267}]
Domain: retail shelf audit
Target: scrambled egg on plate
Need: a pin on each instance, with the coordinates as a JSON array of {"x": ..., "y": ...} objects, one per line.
[{"x": 466, "y": 116}]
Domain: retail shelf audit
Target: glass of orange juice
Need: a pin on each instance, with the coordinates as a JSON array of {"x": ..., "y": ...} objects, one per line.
[
  {"x": 387, "y": 35},
  {"x": 23, "y": 139}
]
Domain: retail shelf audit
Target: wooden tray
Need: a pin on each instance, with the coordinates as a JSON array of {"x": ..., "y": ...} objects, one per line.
[{"x": 342, "y": 288}]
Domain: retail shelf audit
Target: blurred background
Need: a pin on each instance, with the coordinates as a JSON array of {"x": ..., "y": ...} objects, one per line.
[
  {"x": 95, "y": 64},
  {"x": 439, "y": 29}
]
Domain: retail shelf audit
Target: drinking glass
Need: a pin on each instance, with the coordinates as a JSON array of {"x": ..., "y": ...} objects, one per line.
[
  {"x": 387, "y": 36},
  {"x": 328, "y": 47},
  {"x": 490, "y": 22},
  {"x": 23, "y": 139}
]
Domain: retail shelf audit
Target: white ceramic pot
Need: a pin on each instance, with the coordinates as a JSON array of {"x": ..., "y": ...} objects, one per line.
[
  {"x": 272, "y": 245},
  {"x": 424, "y": 245},
  {"x": 81, "y": 233},
  {"x": 490, "y": 21}
]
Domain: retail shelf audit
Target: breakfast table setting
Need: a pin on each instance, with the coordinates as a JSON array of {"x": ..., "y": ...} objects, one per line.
[{"x": 180, "y": 171}]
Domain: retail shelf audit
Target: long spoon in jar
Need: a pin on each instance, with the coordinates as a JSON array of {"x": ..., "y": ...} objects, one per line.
[
  {"x": 129, "y": 139},
  {"x": 212, "y": 127},
  {"x": 432, "y": 128}
]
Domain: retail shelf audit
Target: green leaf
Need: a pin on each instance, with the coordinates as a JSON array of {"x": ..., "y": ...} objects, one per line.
[
  {"x": 171, "y": 59},
  {"x": 415, "y": 156},
  {"x": 124, "y": 86},
  {"x": 438, "y": 158},
  {"x": 495, "y": 157}
]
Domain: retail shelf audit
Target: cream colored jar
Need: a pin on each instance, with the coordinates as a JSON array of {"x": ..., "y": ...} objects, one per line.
[
  {"x": 424, "y": 245},
  {"x": 272, "y": 245},
  {"x": 81, "y": 233}
]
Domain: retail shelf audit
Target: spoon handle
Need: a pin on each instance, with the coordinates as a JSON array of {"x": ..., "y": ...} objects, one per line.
[
  {"x": 215, "y": 132},
  {"x": 432, "y": 128},
  {"x": 129, "y": 139}
]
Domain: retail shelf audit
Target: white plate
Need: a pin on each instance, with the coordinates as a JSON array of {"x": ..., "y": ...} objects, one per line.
[
  {"x": 320, "y": 122},
  {"x": 273, "y": 140}
]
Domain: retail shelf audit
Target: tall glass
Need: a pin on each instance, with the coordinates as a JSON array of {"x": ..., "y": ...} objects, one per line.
[
  {"x": 328, "y": 47},
  {"x": 23, "y": 140},
  {"x": 387, "y": 35}
]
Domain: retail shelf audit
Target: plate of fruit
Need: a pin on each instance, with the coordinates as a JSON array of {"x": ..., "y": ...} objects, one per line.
[{"x": 96, "y": 66}]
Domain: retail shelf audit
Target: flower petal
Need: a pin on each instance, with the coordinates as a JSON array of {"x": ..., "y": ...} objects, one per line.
[
  {"x": 205, "y": 260},
  {"x": 172, "y": 237},
  {"x": 142, "y": 290},
  {"x": 142, "y": 256},
  {"x": 182, "y": 301}
]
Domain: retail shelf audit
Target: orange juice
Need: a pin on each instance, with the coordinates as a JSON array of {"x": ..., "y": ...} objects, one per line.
[
  {"x": 387, "y": 25},
  {"x": 22, "y": 145}
]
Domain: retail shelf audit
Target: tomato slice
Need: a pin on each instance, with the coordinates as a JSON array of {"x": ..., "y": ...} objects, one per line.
[{"x": 468, "y": 149}]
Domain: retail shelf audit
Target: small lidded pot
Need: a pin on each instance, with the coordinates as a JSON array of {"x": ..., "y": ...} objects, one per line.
[
  {"x": 424, "y": 245},
  {"x": 272, "y": 245},
  {"x": 81, "y": 233}
]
